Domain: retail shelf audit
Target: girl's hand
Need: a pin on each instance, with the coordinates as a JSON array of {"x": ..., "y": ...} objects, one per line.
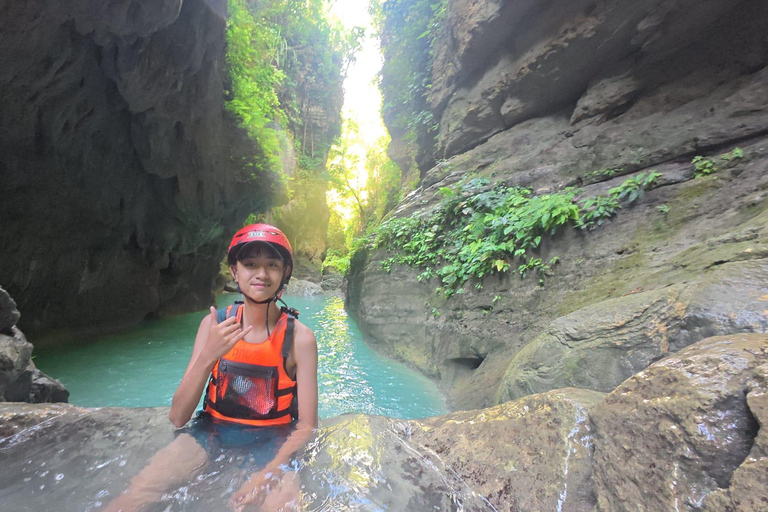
[
  {"x": 254, "y": 490},
  {"x": 269, "y": 492},
  {"x": 222, "y": 336}
]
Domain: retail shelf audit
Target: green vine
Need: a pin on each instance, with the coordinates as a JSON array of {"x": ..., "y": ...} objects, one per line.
[{"x": 478, "y": 229}]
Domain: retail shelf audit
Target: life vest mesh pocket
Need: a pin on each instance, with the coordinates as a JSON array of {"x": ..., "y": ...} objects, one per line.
[{"x": 245, "y": 391}]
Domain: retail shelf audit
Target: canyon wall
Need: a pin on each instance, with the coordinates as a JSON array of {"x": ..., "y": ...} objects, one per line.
[
  {"x": 551, "y": 95},
  {"x": 122, "y": 175}
]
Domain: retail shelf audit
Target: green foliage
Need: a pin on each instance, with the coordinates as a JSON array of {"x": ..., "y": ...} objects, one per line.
[
  {"x": 594, "y": 210},
  {"x": 478, "y": 229},
  {"x": 632, "y": 189},
  {"x": 599, "y": 175},
  {"x": 408, "y": 30},
  {"x": 703, "y": 166},
  {"x": 307, "y": 56},
  {"x": 251, "y": 46},
  {"x": 706, "y": 166},
  {"x": 282, "y": 54},
  {"x": 735, "y": 154},
  {"x": 383, "y": 186},
  {"x": 663, "y": 209},
  {"x": 338, "y": 260}
]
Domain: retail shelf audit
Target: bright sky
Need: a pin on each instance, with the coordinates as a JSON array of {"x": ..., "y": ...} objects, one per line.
[{"x": 362, "y": 98}]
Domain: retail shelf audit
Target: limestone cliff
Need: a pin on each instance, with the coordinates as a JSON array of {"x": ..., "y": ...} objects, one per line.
[
  {"x": 546, "y": 95},
  {"x": 121, "y": 173}
]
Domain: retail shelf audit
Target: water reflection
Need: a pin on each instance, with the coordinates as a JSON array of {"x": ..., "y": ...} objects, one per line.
[
  {"x": 142, "y": 368},
  {"x": 343, "y": 379}
]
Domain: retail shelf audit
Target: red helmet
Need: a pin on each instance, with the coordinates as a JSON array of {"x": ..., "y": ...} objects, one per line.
[{"x": 261, "y": 233}]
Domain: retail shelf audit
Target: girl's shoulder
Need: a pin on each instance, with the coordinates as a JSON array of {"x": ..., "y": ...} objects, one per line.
[{"x": 304, "y": 337}]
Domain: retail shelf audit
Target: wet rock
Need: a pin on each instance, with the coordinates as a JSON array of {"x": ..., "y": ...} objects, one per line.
[
  {"x": 83, "y": 458},
  {"x": 527, "y": 455},
  {"x": 9, "y": 315},
  {"x": 303, "y": 288},
  {"x": 46, "y": 389},
  {"x": 748, "y": 489},
  {"x": 687, "y": 431},
  {"x": 374, "y": 460},
  {"x": 20, "y": 380}
]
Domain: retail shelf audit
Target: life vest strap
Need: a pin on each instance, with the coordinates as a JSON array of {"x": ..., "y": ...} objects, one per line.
[
  {"x": 288, "y": 340},
  {"x": 285, "y": 391}
]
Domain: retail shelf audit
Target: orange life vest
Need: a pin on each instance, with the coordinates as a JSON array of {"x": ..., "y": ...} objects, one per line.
[{"x": 249, "y": 384}]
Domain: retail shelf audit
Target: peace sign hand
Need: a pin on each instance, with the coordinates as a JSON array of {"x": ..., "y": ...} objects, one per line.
[{"x": 223, "y": 336}]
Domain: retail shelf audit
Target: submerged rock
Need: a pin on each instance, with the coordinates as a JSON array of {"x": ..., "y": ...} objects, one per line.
[{"x": 687, "y": 432}]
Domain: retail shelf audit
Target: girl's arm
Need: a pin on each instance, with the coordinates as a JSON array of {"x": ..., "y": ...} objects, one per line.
[{"x": 213, "y": 340}]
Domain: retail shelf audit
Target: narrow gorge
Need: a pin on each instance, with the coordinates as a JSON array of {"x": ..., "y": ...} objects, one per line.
[{"x": 580, "y": 261}]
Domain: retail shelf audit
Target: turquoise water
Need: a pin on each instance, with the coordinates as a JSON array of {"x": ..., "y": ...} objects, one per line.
[{"x": 142, "y": 367}]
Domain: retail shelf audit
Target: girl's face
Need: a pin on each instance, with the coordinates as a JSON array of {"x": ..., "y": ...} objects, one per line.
[{"x": 259, "y": 271}]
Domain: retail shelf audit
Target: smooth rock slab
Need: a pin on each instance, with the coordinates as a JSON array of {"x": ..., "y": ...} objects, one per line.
[
  {"x": 66, "y": 458},
  {"x": 677, "y": 431}
]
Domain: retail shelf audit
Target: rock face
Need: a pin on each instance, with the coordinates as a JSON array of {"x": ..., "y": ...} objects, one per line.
[
  {"x": 688, "y": 433},
  {"x": 501, "y": 63},
  {"x": 20, "y": 380},
  {"x": 121, "y": 173},
  {"x": 576, "y": 94},
  {"x": 601, "y": 345}
]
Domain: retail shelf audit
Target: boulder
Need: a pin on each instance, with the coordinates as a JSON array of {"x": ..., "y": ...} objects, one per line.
[
  {"x": 686, "y": 433},
  {"x": 83, "y": 458},
  {"x": 20, "y": 380},
  {"x": 529, "y": 455},
  {"x": 526, "y": 455},
  {"x": 9, "y": 315},
  {"x": 303, "y": 288},
  {"x": 332, "y": 279}
]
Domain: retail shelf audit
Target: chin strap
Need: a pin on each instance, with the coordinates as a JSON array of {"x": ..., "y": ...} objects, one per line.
[{"x": 274, "y": 299}]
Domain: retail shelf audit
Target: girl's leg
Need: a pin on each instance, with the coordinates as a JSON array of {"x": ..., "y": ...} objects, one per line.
[{"x": 178, "y": 462}]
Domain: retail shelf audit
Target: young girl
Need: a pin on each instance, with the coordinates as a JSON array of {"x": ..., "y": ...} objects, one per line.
[{"x": 257, "y": 365}]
